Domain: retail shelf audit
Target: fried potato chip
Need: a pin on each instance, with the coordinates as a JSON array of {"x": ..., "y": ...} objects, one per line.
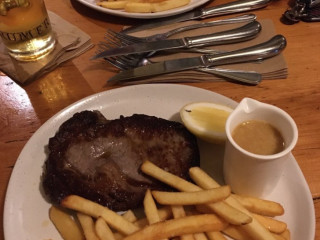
[
  {"x": 224, "y": 210},
  {"x": 278, "y": 237},
  {"x": 150, "y": 208},
  {"x": 143, "y": 6},
  {"x": 164, "y": 214},
  {"x": 192, "y": 198},
  {"x": 138, "y": 7},
  {"x": 216, "y": 236},
  {"x": 130, "y": 216},
  {"x": 261, "y": 206},
  {"x": 177, "y": 227},
  {"x": 254, "y": 229},
  {"x": 65, "y": 224},
  {"x": 272, "y": 224},
  {"x": 169, "y": 4},
  {"x": 118, "y": 236},
  {"x": 286, "y": 234},
  {"x": 113, "y": 4},
  {"x": 87, "y": 225},
  {"x": 103, "y": 230},
  {"x": 200, "y": 236},
  {"x": 235, "y": 232},
  {"x": 96, "y": 210},
  {"x": 178, "y": 212}
]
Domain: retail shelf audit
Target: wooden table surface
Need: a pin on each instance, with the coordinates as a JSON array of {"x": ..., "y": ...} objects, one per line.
[{"x": 25, "y": 108}]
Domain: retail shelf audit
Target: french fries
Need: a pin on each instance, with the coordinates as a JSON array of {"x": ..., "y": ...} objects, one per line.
[
  {"x": 286, "y": 234},
  {"x": 274, "y": 226},
  {"x": 150, "y": 208},
  {"x": 192, "y": 198},
  {"x": 130, "y": 216},
  {"x": 164, "y": 214},
  {"x": 260, "y": 206},
  {"x": 254, "y": 229},
  {"x": 178, "y": 212},
  {"x": 224, "y": 210},
  {"x": 65, "y": 224},
  {"x": 143, "y": 6},
  {"x": 235, "y": 232},
  {"x": 178, "y": 227},
  {"x": 200, "y": 211},
  {"x": 87, "y": 225},
  {"x": 200, "y": 236},
  {"x": 138, "y": 7},
  {"x": 116, "y": 5},
  {"x": 96, "y": 210},
  {"x": 215, "y": 236},
  {"x": 103, "y": 230}
]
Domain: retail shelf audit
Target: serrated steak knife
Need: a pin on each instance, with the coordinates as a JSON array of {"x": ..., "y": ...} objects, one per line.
[
  {"x": 261, "y": 51},
  {"x": 219, "y": 10},
  {"x": 239, "y": 34}
]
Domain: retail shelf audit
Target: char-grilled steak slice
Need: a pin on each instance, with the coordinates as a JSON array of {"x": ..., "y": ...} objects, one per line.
[{"x": 100, "y": 159}]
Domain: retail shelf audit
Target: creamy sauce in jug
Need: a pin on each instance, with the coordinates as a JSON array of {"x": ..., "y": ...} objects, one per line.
[{"x": 258, "y": 137}]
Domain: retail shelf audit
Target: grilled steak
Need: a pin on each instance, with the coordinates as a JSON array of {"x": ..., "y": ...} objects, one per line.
[{"x": 100, "y": 159}]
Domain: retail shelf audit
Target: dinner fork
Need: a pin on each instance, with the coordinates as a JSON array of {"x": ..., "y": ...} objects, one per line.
[
  {"x": 128, "y": 39},
  {"x": 128, "y": 62}
]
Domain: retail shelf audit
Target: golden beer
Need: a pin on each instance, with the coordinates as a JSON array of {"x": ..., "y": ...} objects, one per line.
[{"x": 25, "y": 29}]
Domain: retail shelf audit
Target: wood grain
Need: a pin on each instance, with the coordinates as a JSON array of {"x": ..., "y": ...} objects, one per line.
[{"x": 25, "y": 108}]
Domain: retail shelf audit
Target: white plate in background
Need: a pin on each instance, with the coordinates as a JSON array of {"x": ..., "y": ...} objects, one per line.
[
  {"x": 26, "y": 211},
  {"x": 193, "y": 4}
]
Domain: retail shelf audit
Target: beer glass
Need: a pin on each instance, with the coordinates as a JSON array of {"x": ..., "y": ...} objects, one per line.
[{"x": 25, "y": 29}]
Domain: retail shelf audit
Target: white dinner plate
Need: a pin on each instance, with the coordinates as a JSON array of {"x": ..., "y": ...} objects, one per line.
[
  {"x": 193, "y": 4},
  {"x": 26, "y": 211}
]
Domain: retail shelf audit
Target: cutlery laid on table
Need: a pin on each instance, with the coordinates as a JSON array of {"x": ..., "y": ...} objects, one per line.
[
  {"x": 248, "y": 77},
  {"x": 133, "y": 61},
  {"x": 239, "y": 34},
  {"x": 261, "y": 51},
  {"x": 118, "y": 39},
  {"x": 219, "y": 10}
]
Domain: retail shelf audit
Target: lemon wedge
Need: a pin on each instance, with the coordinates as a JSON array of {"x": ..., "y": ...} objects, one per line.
[{"x": 206, "y": 120}]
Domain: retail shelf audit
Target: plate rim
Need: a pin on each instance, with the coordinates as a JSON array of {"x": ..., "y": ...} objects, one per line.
[
  {"x": 167, "y": 13},
  {"x": 70, "y": 110}
]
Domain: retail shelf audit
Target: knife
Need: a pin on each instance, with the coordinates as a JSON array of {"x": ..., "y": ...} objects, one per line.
[
  {"x": 261, "y": 51},
  {"x": 243, "y": 33},
  {"x": 223, "y": 9}
]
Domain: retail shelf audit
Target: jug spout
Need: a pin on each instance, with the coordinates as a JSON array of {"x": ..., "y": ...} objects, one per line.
[{"x": 249, "y": 105}]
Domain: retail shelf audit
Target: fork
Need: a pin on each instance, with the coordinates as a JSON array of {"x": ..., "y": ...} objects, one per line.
[{"x": 128, "y": 39}]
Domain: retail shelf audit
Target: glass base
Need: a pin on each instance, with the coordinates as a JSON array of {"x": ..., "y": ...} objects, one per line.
[{"x": 30, "y": 52}]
